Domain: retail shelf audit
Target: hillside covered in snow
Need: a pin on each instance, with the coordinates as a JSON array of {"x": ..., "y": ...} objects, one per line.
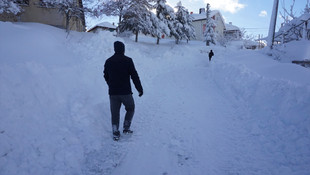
[{"x": 241, "y": 113}]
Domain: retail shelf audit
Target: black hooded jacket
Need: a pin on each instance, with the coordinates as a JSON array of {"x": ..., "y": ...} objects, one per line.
[{"x": 118, "y": 70}]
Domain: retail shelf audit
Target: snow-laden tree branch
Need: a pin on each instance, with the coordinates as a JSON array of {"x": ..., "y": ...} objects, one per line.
[
  {"x": 183, "y": 24},
  {"x": 113, "y": 8},
  {"x": 9, "y": 6},
  {"x": 166, "y": 17},
  {"x": 137, "y": 18},
  {"x": 210, "y": 24}
]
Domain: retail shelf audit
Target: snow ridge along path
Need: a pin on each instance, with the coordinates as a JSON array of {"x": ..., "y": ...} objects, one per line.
[{"x": 235, "y": 115}]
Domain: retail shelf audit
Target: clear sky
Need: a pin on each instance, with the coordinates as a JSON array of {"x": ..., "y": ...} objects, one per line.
[{"x": 252, "y": 15}]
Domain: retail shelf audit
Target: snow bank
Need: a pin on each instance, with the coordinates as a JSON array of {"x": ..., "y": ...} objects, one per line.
[
  {"x": 274, "y": 114},
  {"x": 294, "y": 50},
  {"x": 43, "y": 98}
]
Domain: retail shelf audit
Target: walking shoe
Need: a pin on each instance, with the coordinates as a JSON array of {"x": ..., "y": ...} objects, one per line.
[
  {"x": 116, "y": 135},
  {"x": 127, "y": 131}
]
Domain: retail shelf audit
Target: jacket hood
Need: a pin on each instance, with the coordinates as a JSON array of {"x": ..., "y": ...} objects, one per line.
[{"x": 119, "y": 47}]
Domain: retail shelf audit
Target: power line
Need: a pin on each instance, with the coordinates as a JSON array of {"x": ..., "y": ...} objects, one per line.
[{"x": 254, "y": 28}]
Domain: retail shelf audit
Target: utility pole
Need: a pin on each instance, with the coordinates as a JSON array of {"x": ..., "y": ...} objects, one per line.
[{"x": 272, "y": 26}]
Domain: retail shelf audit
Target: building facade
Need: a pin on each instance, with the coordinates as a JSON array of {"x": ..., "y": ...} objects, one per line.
[
  {"x": 35, "y": 11},
  {"x": 104, "y": 26},
  {"x": 199, "y": 23},
  {"x": 232, "y": 32}
]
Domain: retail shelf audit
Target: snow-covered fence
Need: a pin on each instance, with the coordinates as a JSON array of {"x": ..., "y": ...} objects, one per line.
[{"x": 305, "y": 63}]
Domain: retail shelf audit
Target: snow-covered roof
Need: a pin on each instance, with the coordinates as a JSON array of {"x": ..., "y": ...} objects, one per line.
[
  {"x": 231, "y": 27},
  {"x": 105, "y": 25},
  {"x": 203, "y": 15}
]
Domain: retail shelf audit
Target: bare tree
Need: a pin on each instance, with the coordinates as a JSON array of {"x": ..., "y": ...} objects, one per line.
[
  {"x": 288, "y": 15},
  {"x": 307, "y": 8}
]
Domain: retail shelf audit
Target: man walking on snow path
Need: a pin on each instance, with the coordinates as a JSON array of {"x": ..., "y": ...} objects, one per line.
[
  {"x": 118, "y": 70},
  {"x": 211, "y": 54}
]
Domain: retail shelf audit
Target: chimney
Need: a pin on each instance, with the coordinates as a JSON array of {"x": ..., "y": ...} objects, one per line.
[
  {"x": 230, "y": 23},
  {"x": 202, "y": 10}
]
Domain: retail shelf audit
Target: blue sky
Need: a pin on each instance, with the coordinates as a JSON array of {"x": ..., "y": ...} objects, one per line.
[{"x": 252, "y": 15}]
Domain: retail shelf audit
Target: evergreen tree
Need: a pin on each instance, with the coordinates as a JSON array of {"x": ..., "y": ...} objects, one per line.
[
  {"x": 189, "y": 27},
  {"x": 155, "y": 29},
  {"x": 166, "y": 17},
  {"x": 183, "y": 24},
  {"x": 179, "y": 23},
  {"x": 113, "y": 8},
  {"x": 209, "y": 32},
  {"x": 137, "y": 18},
  {"x": 9, "y": 6}
]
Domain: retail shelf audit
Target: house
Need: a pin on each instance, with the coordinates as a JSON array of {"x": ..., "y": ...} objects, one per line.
[
  {"x": 35, "y": 11},
  {"x": 104, "y": 26},
  {"x": 232, "y": 32},
  {"x": 199, "y": 23}
]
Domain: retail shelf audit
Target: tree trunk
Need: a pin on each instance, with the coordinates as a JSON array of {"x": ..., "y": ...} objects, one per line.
[
  {"x": 137, "y": 36},
  {"x": 119, "y": 22},
  {"x": 67, "y": 22},
  {"x": 82, "y": 16},
  {"x": 157, "y": 40},
  {"x": 304, "y": 36},
  {"x": 207, "y": 43}
]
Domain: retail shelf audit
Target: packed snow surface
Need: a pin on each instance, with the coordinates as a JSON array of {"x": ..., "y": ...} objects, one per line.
[{"x": 241, "y": 113}]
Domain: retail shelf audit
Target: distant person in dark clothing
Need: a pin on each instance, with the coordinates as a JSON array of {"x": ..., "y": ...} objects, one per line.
[
  {"x": 211, "y": 54},
  {"x": 118, "y": 70}
]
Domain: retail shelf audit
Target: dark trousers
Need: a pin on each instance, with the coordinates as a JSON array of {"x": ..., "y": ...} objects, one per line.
[{"x": 115, "y": 104}]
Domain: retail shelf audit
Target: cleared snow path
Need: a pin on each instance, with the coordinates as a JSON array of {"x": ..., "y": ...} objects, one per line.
[
  {"x": 218, "y": 118},
  {"x": 186, "y": 130}
]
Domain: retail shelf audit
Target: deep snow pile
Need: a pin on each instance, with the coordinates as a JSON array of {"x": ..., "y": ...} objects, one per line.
[
  {"x": 243, "y": 113},
  {"x": 293, "y": 51}
]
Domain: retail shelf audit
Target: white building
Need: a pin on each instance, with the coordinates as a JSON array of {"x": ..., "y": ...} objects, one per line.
[
  {"x": 104, "y": 26},
  {"x": 232, "y": 32},
  {"x": 199, "y": 23}
]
